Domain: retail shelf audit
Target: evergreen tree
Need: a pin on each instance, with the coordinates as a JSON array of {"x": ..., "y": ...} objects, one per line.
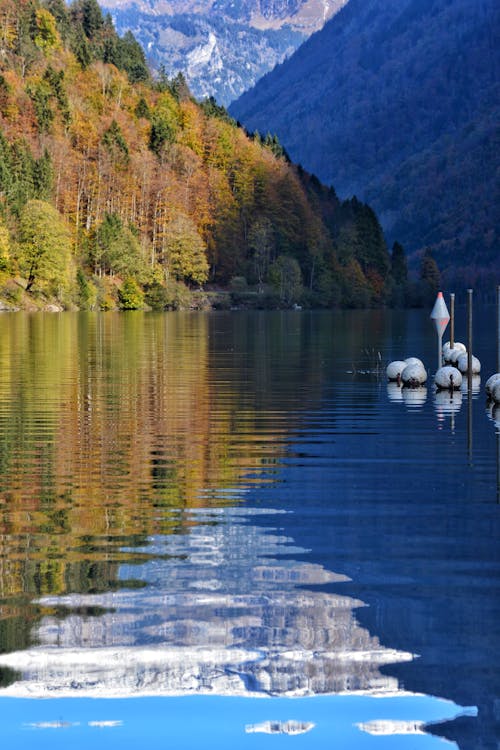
[
  {"x": 399, "y": 265},
  {"x": 92, "y": 18},
  {"x": 399, "y": 274},
  {"x": 429, "y": 271},
  {"x": 131, "y": 58},
  {"x": 430, "y": 278},
  {"x": 43, "y": 176},
  {"x": 142, "y": 109}
]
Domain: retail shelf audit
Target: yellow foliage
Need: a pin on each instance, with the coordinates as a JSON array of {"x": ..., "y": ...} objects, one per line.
[{"x": 47, "y": 38}]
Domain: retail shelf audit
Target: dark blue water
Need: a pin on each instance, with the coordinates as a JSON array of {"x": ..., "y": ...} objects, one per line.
[{"x": 228, "y": 530}]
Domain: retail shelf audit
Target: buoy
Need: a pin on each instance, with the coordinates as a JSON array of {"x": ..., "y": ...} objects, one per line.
[
  {"x": 394, "y": 369},
  {"x": 414, "y": 375},
  {"x": 488, "y": 386},
  {"x": 455, "y": 353},
  {"x": 462, "y": 364},
  {"x": 448, "y": 378},
  {"x": 414, "y": 361},
  {"x": 495, "y": 392},
  {"x": 447, "y": 349},
  {"x": 493, "y": 412}
]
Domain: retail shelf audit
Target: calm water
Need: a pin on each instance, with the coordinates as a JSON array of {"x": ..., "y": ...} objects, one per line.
[{"x": 227, "y": 530}]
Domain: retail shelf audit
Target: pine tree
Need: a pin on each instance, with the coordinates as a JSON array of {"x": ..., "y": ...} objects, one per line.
[{"x": 399, "y": 265}]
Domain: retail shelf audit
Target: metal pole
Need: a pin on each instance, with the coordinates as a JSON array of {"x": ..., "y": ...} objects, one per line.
[
  {"x": 498, "y": 467},
  {"x": 452, "y": 320},
  {"x": 469, "y": 340},
  {"x": 469, "y": 374},
  {"x": 440, "y": 351},
  {"x": 498, "y": 328}
]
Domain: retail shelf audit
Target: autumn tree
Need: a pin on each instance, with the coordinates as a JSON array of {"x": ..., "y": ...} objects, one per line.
[
  {"x": 184, "y": 256},
  {"x": 261, "y": 244},
  {"x": 286, "y": 276},
  {"x": 115, "y": 249},
  {"x": 4, "y": 245},
  {"x": 130, "y": 295},
  {"x": 44, "y": 246}
]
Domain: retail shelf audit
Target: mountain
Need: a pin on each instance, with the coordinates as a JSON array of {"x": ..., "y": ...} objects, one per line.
[
  {"x": 118, "y": 191},
  {"x": 222, "y": 47},
  {"x": 398, "y": 102}
]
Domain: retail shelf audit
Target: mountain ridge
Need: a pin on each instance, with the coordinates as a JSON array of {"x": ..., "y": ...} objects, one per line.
[
  {"x": 221, "y": 47},
  {"x": 403, "y": 113}
]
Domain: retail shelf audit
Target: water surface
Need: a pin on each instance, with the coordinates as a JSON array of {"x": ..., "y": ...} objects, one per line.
[{"x": 229, "y": 526}]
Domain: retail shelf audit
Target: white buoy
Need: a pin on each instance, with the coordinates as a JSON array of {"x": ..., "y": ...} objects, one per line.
[
  {"x": 414, "y": 361},
  {"x": 462, "y": 364},
  {"x": 495, "y": 392},
  {"x": 394, "y": 369},
  {"x": 488, "y": 386},
  {"x": 454, "y": 354},
  {"x": 414, "y": 375},
  {"x": 441, "y": 318},
  {"x": 448, "y": 378}
]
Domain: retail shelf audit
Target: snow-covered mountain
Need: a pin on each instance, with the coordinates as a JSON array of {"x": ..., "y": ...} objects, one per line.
[{"x": 222, "y": 46}]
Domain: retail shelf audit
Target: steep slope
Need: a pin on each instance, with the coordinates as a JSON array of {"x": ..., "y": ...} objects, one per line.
[
  {"x": 115, "y": 189},
  {"x": 220, "y": 46},
  {"x": 397, "y": 101}
]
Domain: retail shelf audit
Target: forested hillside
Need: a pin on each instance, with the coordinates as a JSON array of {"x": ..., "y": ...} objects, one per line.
[
  {"x": 398, "y": 102},
  {"x": 120, "y": 191}
]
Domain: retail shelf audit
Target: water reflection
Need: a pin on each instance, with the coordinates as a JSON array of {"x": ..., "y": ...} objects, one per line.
[
  {"x": 221, "y": 612},
  {"x": 137, "y": 454},
  {"x": 447, "y": 403},
  {"x": 414, "y": 398},
  {"x": 475, "y": 384}
]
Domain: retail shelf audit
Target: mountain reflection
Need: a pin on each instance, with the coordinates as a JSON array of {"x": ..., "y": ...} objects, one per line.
[{"x": 226, "y": 609}]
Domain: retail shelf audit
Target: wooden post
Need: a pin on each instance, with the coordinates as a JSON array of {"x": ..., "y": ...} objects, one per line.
[
  {"x": 469, "y": 374},
  {"x": 498, "y": 328},
  {"x": 452, "y": 320},
  {"x": 469, "y": 339}
]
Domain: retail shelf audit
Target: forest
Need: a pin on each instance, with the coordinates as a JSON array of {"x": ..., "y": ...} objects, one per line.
[
  {"x": 121, "y": 191},
  {"x": 396, "y": 101}
]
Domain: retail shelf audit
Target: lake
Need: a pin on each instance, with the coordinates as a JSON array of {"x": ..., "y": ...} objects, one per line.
[{"x": 227, "y": 530}]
